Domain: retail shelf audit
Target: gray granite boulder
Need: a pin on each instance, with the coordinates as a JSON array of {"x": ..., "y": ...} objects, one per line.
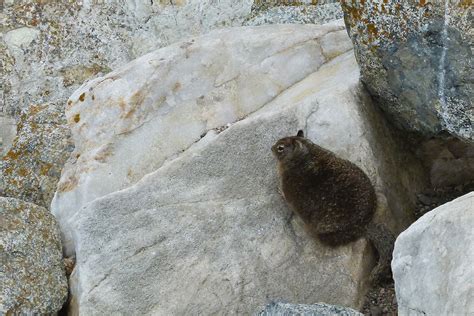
[
  {"x": 282, "y": 12},
  {"x": 416, "y": 58},
  {"x": 433, "y": 262},
  {"x": 320, "y": 309},
  {"x": 32, "y": 278}
]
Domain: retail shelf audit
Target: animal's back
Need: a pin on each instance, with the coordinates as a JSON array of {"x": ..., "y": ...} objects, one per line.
[{"x": 333, "y": 196}]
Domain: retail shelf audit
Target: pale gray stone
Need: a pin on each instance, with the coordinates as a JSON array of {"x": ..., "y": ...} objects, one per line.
[
  {"x": 160, "y": 104},
  {"x": 433, "y": 262}
]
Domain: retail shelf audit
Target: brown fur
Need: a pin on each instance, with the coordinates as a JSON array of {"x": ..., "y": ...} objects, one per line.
[{"x": 333, "y": 196}]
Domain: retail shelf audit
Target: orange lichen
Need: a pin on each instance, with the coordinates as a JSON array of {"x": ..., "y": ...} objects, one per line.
[
  {"x": 23, "y": 172},
  {"x": 372, "y": 29},
  {"x": 11, "y": 155},
  {"x": 45, "y": 169},
  {"x": 9, "y": 170},
  {"x": 82, "y": 97}
]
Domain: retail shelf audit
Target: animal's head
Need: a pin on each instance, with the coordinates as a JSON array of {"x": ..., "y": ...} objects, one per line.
[{"x": 290, "y": 147}]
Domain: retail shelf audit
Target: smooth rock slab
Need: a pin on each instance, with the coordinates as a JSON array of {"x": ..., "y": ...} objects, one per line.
[
  {"x": 209, "y": 233},
  {"x": 128, "y": 123},
  {"x": 433, "y": 262},
  {"x": 32, "y": 278}
]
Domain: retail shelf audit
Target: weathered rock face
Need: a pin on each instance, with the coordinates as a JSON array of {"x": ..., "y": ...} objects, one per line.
[
  {"x": 30, "y": 170},
  {"x": 432, "y": 262},
  {"x": 32, "y": 279},
  {"x": 208, "y": 231},
  {"x": 160, "y": 104},
  {"x": 450, "y": 161},
  {"x": 320, "y": 309},
  {"x": 64, "y": 43},
  {"x": 416, "y": 56},
  {"x": 279, "y": 12}
]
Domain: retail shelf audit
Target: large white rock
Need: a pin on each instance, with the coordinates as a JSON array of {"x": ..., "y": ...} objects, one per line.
[
  {"x": 129, "y": 122},
  {"x": 433, "y": 262},
  {"x": 208, "y": 232}
]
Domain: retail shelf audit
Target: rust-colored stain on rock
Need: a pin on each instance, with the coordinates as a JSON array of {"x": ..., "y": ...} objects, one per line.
[
  {"x": 130, "y": 114},
  {"x": 68, "y": 185},
  {"x": 82, "y": 97},
  {"x": 77, "y": 118},
  {"x": 122, "y": 104},
  {"x": 176, "y": 86},
  {"x": 137, "y": 98}
]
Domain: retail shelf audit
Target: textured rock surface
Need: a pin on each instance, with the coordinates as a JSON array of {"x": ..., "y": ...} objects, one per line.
[
  {"x": 160, "y": 104},
  {"x": 417, "y": 57},
  {"x": 279, "y": 12},
  {"x": 320, "y": 309},
  {"x": 208, "y": 230},
  {"x": 63, "y": 43},
  {"x": 32, "y": 279},
  {"x": 450, "y": 161},
  {"x": 432, "y": 263},
  {"x": 30, "y": 170}
]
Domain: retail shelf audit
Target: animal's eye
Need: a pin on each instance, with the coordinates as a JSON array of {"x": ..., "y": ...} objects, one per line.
[{"x": 280, "y": 148}]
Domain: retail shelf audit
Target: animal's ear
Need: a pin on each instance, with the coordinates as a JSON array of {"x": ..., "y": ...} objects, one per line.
[
  {"x": 300, "y": 133},
  {"x": 301, "y": 146}
]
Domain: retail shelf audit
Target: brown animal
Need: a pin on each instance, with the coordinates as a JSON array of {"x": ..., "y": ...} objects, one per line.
[{"x": 333, "y": 196}]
